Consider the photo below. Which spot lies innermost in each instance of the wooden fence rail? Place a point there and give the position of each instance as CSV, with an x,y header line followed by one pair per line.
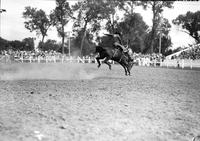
x,y
176,63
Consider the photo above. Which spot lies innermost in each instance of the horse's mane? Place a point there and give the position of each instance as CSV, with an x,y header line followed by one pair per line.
x,y
99,49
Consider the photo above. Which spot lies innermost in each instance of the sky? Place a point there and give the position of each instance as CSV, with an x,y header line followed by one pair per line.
x,y
12,22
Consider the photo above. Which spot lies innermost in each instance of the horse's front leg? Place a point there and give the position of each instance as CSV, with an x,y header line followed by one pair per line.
x,y
99,64
106,62
125,70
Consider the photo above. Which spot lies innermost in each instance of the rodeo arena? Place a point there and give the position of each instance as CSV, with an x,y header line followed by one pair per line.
x,y
63,96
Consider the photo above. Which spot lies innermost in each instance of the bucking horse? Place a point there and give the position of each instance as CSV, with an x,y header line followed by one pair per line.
x,y
115,54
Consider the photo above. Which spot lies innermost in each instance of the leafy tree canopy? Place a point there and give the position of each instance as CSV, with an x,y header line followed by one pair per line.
x,y
191,23
37,20
61,15
157,8
90,13
50,45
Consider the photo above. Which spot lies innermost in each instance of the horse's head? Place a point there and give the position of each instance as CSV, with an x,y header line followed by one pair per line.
x,y
98,50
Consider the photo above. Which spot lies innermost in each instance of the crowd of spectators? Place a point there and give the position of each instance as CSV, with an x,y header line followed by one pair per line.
x,y
27,55
193,53
148,59
31,56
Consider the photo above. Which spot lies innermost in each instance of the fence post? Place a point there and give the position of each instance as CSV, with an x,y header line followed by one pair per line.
x,y
167,63
161,63
22,58
80,59
182,64
38,59
177,63
62,58
71,59
30,59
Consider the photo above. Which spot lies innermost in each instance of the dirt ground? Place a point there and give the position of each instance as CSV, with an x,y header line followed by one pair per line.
x,y
78,102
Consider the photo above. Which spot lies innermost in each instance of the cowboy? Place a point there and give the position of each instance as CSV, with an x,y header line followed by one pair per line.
x,y
118,43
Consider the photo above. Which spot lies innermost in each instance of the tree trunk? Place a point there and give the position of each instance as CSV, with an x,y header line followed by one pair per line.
x,y
43,38
42,42
83,38
63,40
63,37
153,29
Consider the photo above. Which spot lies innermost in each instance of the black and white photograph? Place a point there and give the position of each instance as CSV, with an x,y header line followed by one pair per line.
x,y
99,70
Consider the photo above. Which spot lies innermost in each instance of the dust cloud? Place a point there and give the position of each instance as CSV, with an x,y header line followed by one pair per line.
x,y
51,71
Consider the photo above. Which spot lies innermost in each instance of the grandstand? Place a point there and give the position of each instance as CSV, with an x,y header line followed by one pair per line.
x,y
192,52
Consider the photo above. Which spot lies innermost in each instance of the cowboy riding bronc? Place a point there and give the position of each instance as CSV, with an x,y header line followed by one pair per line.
x,y
118,44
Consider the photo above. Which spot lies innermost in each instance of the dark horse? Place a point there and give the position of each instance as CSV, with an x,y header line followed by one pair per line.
x,y
115,54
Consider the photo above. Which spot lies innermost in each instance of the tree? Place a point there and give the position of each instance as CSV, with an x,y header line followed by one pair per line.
x,y
88,45
37,20
164,38
190,22
89,12
157,7
62,15
50,45
28,44
161,36
3,44
133,29
112,6
132,26
129,5
16,45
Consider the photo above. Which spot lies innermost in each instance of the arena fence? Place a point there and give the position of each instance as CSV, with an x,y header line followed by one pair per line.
x,y
182,63
49,59
146,62
174,63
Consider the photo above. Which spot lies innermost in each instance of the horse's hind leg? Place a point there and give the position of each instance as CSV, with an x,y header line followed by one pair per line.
x,y
128,70
125,69
129,67
124,66
106,62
